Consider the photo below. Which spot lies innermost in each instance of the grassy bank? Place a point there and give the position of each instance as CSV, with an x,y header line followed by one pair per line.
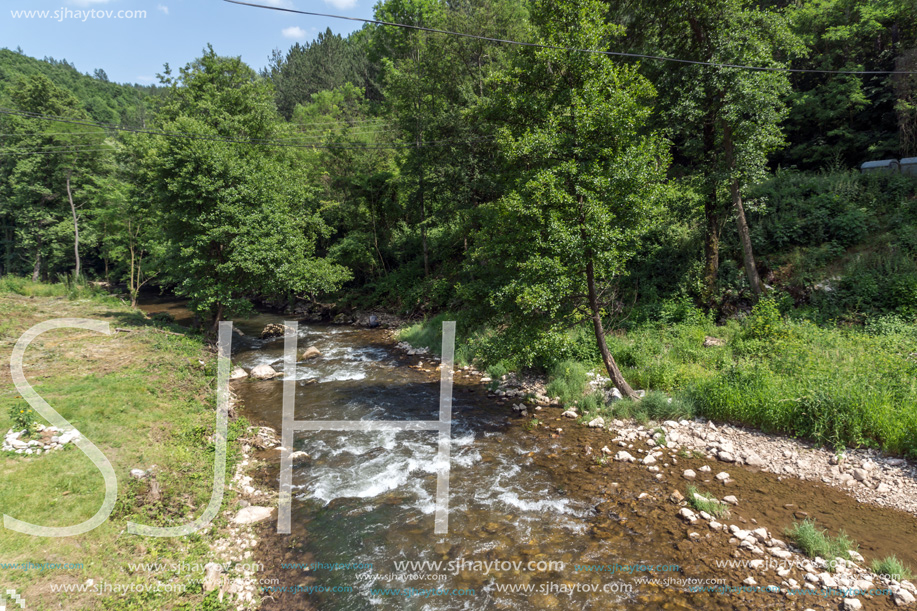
x,y
143,399
837,385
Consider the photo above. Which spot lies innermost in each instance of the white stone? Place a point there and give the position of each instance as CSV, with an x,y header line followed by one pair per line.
x,y
264,372
596,423
722,476
852,604
903,598
237,374
252,514
623,456
689,474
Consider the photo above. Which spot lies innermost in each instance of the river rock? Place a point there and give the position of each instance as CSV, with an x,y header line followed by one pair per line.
x,y
570,414
649,460
903,598
310,353
264,372
237,374
852,604
726,456
732,500
273,330
689,474
250,515
722,476
597,423
623,456
750,581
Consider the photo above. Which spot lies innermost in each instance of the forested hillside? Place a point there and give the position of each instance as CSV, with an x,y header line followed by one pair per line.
x,y
533,190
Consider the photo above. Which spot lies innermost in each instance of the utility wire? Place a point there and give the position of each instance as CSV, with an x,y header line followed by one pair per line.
x,y
266,142
559,48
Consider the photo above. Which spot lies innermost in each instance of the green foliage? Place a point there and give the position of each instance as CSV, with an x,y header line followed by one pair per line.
x,y
22,416
236,220
817,543
891,566
707,503
568,380
655,406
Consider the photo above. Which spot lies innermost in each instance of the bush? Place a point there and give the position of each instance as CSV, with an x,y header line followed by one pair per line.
x,y
891,566
22,417
814,542
568,380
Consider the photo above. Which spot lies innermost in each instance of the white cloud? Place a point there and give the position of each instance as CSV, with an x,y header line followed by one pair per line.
x,y
163,8
295,32
342,4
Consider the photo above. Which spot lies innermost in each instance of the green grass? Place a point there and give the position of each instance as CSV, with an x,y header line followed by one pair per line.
x,y
709,504
815,542
568,380
143,400
890,565
839,386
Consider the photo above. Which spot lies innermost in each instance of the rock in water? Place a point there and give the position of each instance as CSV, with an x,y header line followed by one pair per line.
x,y
373,321
237,374
272,330
310,353
264,372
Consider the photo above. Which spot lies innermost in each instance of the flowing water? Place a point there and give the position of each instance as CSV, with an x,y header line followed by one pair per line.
x,y
516,497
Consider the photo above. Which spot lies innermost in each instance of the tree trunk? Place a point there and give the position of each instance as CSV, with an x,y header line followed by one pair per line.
x,y
748,254
610,366
216,319
712,215
76,231
36,269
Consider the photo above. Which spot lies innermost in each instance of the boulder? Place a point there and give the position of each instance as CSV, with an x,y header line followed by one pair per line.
x,y
264,372
713,341
689,474
597,423
310,353
237,374
623,456
252,514
273,330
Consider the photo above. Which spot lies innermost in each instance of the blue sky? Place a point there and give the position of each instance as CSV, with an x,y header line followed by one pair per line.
x,y
175,31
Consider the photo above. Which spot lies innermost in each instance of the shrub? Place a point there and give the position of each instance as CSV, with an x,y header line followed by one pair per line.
x,y
22,417
814,542
568,380
891,566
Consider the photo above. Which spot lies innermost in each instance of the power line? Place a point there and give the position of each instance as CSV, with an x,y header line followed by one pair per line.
x,y
41,152
559,48
265,142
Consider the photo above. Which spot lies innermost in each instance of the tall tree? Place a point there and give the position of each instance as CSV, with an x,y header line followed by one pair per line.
x,y
237,221
725,121
585,174
49,166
